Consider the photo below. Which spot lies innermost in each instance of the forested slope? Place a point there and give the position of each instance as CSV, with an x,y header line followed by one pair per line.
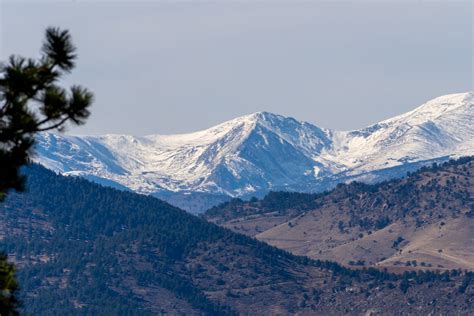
x,y
85,249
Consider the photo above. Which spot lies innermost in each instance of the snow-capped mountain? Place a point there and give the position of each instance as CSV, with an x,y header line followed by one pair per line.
x,y
247,154
264,151
440,127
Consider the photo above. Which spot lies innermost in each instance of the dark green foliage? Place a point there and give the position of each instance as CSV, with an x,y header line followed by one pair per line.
x,y
382,222
32,101
97,239
340,226
8,288
397,242
404,285
279,202
93,224
285,200
469,276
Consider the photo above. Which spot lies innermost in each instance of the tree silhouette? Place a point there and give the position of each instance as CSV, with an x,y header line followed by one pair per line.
x,y
31,101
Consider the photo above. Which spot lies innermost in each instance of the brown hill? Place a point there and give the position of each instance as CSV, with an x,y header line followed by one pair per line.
x,y
425,220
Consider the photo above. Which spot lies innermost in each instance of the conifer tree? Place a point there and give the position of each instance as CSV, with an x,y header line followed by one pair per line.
x,y
31,101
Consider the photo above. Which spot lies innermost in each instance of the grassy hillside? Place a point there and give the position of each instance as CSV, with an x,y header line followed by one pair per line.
x,y
425,220
85,249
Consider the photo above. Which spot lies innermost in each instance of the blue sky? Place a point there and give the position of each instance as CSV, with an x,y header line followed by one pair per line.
x,y
171,67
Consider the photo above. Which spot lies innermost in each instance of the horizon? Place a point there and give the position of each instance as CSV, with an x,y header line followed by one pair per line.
x,y
253,113
174,68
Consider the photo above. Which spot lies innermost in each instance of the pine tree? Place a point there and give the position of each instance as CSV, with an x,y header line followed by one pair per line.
x,y
31,101
8,287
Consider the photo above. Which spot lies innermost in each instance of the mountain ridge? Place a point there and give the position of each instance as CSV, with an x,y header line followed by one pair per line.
x,y
256,153
427,216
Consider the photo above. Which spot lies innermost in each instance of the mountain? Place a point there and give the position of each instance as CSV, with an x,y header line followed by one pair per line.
x,y
254,154
84,249
426,218
440,127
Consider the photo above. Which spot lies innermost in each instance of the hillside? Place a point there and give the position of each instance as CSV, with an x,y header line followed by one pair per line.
x,y
86,249
427,217
254,154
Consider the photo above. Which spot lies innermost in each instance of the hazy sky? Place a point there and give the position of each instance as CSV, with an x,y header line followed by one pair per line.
x,y
163,67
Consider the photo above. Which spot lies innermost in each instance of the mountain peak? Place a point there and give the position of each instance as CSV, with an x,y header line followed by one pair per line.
x,y
264,151
249,122
271,120
453,98
261,116
446,103
436,108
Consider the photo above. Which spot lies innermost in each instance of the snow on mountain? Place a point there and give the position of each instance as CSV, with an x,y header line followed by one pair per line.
x,y
263,151
247,154
441,127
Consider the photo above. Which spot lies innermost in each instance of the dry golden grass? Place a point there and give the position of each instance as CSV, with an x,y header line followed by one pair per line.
x,y
437,230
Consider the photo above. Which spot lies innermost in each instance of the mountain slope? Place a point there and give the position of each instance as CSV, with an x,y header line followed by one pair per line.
x,y
440,127
251,155
83,249
427,216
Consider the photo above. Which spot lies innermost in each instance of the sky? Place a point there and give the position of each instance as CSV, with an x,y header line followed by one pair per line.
x,y
163,67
